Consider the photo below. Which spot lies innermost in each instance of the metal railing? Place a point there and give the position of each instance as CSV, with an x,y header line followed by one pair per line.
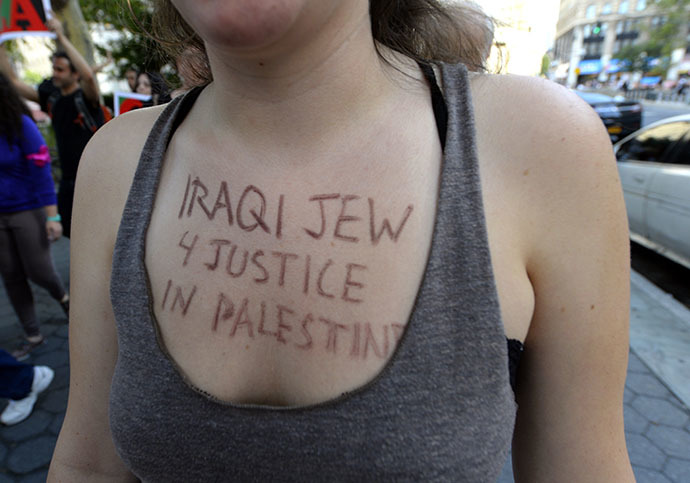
x,y
659,95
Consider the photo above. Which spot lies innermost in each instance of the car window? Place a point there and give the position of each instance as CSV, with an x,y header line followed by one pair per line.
x,y
680,152
652,144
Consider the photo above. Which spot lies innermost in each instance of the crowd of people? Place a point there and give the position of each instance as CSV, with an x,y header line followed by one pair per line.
x,y
33,214
442,286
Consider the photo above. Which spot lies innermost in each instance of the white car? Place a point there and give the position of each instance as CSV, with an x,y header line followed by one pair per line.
x,y
654,166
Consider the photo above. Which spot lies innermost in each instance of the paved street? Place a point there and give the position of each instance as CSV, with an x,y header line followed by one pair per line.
x,y
653,111
657,422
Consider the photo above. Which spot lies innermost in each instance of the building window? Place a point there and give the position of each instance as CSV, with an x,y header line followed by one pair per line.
x,y
594,31
564,46
658,21
591,11
629,26
622,43
623,7
627,32
607,8
641,5
593,50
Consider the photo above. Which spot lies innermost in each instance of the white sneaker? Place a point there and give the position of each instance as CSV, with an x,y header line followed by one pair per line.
x,y
18,411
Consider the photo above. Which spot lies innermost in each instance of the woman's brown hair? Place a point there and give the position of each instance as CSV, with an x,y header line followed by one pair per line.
x,y
11,109
428,31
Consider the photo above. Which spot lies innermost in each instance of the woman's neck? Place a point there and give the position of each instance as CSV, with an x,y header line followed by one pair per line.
x,y
305,88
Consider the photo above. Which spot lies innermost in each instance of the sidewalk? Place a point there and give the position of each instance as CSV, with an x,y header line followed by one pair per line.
x,y
682,107
657,422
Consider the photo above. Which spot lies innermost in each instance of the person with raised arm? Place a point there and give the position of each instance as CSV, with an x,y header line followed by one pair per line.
x,y
71,97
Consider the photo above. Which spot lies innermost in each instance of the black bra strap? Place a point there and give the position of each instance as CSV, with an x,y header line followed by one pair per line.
x,y
437,101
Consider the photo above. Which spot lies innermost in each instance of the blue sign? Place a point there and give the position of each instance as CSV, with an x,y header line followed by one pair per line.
x,y
616,65
651,80
588,67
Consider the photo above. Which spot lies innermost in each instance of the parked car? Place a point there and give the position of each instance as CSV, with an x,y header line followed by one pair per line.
x,y
654,166
620,116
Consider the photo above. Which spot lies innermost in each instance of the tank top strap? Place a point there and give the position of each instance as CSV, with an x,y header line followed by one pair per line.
x,y
128,269
437,102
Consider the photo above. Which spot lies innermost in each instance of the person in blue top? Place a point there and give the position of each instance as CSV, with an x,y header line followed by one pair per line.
x,y
71,97
29,219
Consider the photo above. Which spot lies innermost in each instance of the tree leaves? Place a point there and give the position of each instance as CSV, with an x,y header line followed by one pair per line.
x,y
132,18
662,39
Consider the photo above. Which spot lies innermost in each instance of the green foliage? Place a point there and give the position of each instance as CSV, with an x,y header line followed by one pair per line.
x,y
545,65
662,40
12,48
132,18
632,56
669,35
32,78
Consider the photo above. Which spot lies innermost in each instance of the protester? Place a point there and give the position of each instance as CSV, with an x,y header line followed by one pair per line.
x,y
29,218
152,84
72,99
297,273
131,75
21,384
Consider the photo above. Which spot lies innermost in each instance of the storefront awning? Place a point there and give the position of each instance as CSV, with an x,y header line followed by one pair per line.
x,y
650,80
589,67
615,65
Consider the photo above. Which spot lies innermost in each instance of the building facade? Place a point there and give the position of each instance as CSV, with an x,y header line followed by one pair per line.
x,y
524,31
591,32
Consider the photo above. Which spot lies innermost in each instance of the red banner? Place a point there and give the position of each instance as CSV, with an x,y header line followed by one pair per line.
x,y
128,101
19,18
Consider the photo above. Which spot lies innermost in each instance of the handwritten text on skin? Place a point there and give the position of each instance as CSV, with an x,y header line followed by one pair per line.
x,y
328,277
251,208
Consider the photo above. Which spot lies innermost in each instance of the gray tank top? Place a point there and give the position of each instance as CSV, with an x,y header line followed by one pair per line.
x,y
442,408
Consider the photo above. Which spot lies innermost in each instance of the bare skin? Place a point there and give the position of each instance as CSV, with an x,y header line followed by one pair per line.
x,y
555,216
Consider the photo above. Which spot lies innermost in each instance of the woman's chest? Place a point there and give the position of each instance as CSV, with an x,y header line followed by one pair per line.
x,y
287,292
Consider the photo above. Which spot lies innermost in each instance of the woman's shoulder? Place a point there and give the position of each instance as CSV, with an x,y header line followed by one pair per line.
x,y
127,131
115,149
29,126
532,105
544,154
109,162
27,120
534,124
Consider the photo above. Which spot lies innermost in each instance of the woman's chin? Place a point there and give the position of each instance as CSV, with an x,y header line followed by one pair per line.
x,y
242,24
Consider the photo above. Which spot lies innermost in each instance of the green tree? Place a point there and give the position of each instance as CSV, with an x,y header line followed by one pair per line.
x,y
638,57
662,40
669,34
132,19
545,65
70,14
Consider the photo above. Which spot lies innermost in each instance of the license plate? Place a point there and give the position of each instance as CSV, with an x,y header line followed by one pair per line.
x,y
615,129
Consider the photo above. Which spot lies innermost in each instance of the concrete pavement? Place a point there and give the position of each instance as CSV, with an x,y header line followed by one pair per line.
x,y
657,421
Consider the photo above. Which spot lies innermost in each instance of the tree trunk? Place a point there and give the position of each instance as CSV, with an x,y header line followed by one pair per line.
x,y
69,13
